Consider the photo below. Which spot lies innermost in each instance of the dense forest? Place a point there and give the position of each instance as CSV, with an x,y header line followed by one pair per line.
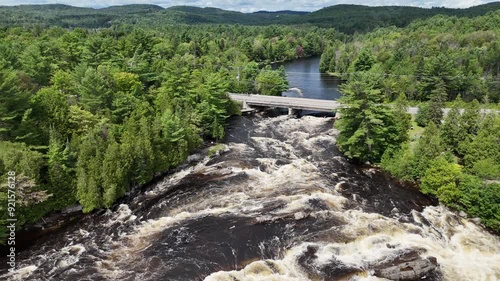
x,y
451,55
87,115
344,18
454,157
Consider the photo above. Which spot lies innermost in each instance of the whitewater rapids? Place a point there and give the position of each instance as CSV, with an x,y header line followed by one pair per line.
x,y
279,202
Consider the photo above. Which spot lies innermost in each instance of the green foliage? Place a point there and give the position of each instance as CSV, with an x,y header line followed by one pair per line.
x,y
364,61
436,105
27,166
399,163
422,118
440,180
61,173
466,187
432,60
486,169
428,147
271,82
367,127
88,166
13,103
451,130
345,18
402,118
484,145
481,200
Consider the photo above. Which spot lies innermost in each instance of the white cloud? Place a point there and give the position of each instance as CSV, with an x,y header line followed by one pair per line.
x,y
256,5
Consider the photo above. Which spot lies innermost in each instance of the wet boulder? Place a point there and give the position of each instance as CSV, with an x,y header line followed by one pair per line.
x,y
333,270
408,266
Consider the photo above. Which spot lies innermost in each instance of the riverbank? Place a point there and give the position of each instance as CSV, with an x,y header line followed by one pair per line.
x,y
279,201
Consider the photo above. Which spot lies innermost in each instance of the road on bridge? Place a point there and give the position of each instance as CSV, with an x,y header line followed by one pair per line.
x,y
307,104
287,102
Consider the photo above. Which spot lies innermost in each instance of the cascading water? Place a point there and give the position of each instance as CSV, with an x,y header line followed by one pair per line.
x,y
278,203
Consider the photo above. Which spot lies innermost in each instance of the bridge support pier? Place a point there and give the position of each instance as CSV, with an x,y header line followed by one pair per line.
x,y
292,111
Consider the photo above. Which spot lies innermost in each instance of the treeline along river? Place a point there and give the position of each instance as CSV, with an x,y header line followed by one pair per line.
x,y
278,202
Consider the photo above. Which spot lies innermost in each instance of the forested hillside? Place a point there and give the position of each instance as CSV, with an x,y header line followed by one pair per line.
x,y
357,18
344,18
443,59
450,55
86,115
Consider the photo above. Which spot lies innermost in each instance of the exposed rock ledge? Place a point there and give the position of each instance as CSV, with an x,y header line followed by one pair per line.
x,y
408,266
405,265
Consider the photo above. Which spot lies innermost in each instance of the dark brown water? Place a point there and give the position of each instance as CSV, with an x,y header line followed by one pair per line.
x,y
278,203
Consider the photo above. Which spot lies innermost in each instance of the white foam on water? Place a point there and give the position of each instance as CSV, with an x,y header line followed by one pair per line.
x,y
463,250
24,272
129,249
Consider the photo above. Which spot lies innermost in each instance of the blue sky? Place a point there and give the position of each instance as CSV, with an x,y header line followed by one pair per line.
x,y
256,5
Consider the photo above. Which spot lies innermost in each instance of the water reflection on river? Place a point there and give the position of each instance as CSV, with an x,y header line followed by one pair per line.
x,y
306,81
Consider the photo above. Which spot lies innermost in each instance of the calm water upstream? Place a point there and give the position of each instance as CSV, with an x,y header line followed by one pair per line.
x,y
278,203
306,81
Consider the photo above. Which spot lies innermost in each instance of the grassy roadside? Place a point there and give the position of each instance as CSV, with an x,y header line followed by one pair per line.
x,y
415,131
449,104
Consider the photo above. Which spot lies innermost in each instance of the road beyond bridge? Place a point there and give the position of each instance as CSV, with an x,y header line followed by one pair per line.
x,y
249,100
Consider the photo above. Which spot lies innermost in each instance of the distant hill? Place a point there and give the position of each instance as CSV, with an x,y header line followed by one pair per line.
x,y
132,9
284,12
345,18
357,18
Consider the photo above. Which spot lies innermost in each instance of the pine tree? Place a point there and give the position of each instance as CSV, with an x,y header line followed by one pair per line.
x,y
364,62
88,171
428,147
13,103
271,82
367,127
113,174
61,174
438,97
451,131
402,118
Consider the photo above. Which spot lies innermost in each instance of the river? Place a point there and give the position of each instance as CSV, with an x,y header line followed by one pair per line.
x,y
306,81
279,202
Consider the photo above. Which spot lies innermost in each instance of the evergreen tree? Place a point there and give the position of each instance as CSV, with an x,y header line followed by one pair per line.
x,y
451,130
402,118
61,173
436,105
271,82
441,179
367,127
113,174
364,62
428,147
13,103
88,171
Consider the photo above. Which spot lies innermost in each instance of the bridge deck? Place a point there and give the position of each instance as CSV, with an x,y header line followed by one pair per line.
x,y
287,102
312,104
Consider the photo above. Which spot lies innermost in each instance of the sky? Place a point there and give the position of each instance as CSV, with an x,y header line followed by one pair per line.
x,y
247,6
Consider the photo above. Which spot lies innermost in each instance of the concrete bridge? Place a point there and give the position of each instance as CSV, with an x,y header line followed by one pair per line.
x,y
292,104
